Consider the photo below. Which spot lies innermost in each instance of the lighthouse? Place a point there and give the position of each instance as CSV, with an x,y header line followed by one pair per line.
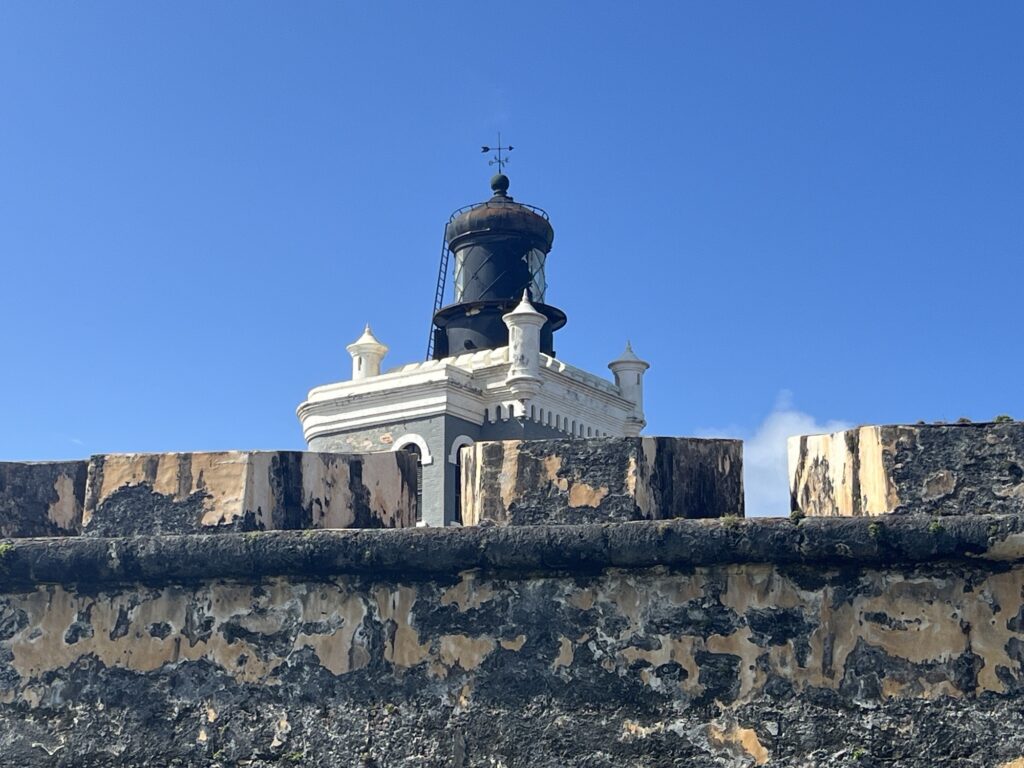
x,y
500,248
491,373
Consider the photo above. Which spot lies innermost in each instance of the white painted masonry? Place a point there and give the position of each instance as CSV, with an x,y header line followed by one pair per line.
x,y
474,387
523,379
367,354
628,370
443,405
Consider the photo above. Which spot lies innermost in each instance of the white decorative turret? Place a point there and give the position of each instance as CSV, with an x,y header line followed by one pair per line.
x,y
629,378
367,353
524,324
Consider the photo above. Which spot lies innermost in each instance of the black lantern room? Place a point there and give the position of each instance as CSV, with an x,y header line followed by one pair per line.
x,y
500,247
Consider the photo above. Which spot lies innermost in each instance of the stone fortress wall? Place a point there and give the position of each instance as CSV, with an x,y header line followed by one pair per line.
x,y
584,621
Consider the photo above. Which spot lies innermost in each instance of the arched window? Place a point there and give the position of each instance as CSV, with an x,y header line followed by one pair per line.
x,y
458,443
455,457
458,485
417,446
414,449
412,437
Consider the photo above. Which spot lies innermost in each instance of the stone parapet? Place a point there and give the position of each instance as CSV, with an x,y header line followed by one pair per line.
x,y
604,480
41,498
935,469
895,541
247,491
686,642
170,493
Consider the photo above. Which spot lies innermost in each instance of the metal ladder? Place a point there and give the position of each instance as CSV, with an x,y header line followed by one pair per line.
x,y
442,279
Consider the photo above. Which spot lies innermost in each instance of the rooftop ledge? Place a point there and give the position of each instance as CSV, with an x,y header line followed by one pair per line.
x,y
525,550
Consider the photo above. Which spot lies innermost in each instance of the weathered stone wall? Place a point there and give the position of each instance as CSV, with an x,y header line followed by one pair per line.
x,y
248,490
41,498
896,640
526,482
696,643
937,469
152,493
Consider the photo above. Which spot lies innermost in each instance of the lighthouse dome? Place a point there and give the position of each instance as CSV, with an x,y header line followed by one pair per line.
x,y
500,217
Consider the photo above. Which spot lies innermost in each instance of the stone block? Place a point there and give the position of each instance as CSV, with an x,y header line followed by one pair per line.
x,y
129,494
934,469
528,482
41,498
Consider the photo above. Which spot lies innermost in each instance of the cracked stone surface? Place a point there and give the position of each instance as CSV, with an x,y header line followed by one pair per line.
x,y
41,498
935,469
683,642
530,482
153,493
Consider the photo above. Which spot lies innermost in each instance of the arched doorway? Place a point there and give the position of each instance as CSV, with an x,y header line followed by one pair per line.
x,y
455,458
414,449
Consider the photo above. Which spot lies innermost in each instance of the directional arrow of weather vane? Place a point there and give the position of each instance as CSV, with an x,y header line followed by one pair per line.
x,y
498,160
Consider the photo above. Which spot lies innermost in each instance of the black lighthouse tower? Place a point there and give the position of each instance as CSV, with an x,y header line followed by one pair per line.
x,y
500,247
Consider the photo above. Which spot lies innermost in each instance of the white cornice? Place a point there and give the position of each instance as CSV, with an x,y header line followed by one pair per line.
x,y
416,401
466,386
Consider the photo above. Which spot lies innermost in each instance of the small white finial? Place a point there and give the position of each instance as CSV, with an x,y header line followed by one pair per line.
x,y
367,353
627,356
524,325
629,378
524,307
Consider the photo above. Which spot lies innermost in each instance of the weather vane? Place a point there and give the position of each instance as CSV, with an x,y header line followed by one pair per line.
x,y
498,160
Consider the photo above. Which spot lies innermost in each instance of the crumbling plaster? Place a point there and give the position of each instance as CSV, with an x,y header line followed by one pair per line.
x,y
645,643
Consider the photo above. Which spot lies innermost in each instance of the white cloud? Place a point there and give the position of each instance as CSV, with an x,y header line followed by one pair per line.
x,y
765,475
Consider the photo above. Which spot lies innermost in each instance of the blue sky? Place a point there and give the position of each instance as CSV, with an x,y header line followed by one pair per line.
x,y
805,211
